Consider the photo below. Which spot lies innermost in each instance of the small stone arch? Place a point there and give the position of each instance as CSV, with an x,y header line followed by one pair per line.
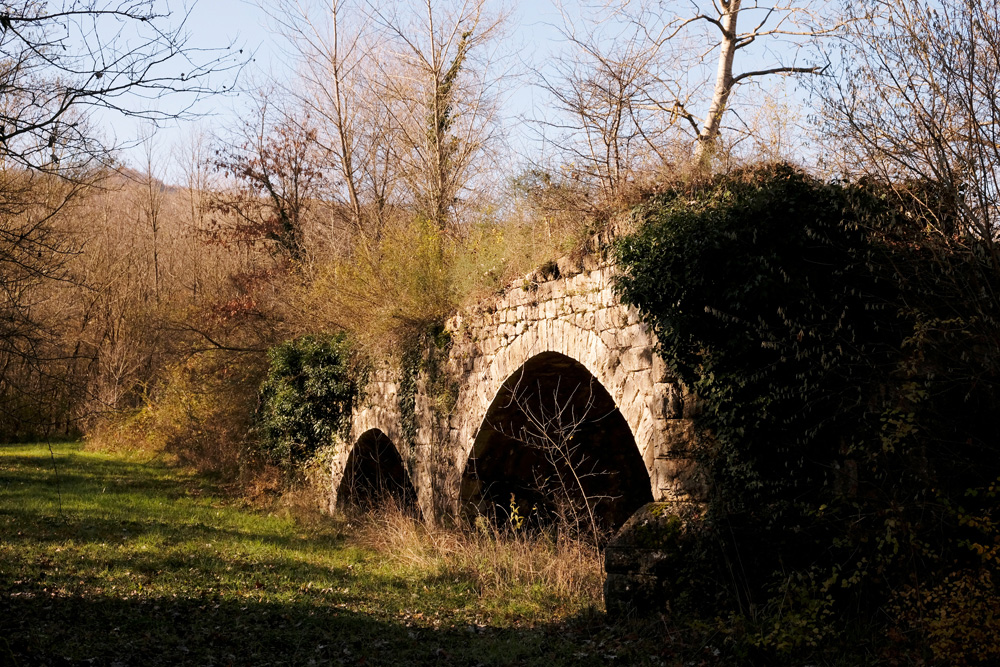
x,y
553,442
374,474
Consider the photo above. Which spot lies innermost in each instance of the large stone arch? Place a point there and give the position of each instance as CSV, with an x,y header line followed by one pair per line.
x,y
554,440
586,348
573,312
376,412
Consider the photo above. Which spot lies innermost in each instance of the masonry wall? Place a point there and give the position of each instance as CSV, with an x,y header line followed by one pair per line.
x,y
569,308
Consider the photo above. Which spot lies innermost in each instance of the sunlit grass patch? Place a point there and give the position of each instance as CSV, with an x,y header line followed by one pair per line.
x,y
110,560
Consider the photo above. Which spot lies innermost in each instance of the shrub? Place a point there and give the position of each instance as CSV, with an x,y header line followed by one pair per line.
x,y
306,398
765,298
200,414
847,364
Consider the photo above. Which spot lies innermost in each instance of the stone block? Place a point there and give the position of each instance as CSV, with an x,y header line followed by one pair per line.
x,y
679,479
603,320
629,393
609,337
639,560
637,359
660,370
568,266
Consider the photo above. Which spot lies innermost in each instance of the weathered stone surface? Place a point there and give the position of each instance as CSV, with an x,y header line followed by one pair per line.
x,y
574,312
639,560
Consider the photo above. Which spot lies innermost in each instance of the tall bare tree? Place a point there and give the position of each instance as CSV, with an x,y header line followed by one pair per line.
x,y
406,99
442,91
335,49
150,201
917,99
637,79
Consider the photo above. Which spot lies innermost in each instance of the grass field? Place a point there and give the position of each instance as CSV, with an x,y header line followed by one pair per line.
x,y
106,561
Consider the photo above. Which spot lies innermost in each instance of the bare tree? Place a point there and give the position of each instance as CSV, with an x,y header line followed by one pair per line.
x,y
273,167
915,100
442,95
150,202
767,21
567,480
608,86
405,102
34,254
637,80
194,160
334,47
63,60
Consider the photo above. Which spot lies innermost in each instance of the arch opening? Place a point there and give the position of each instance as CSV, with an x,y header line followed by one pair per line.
x,y
375,477
554,449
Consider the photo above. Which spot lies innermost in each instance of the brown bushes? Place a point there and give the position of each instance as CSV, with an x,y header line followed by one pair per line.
x,y
200,415
498,561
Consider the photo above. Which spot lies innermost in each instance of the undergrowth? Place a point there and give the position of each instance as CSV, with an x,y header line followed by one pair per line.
x,y
503,563
198,415
106,561
847,368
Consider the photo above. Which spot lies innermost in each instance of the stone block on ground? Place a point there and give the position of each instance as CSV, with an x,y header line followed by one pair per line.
x,y
639,560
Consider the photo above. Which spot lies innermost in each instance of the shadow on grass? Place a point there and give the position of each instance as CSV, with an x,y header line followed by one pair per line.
x,y
136,570
210,632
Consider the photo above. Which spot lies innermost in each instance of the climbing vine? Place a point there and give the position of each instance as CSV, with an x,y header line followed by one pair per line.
x,y
409,370
846,362
307,397
425,353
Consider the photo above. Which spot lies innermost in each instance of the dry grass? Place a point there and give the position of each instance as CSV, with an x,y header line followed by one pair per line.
x,y
499,562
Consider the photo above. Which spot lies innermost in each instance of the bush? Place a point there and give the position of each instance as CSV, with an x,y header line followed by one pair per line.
x,y
765,298
200,414
306,398
848,365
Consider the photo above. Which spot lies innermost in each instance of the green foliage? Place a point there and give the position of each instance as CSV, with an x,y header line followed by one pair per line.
x,y
307,397
107,561
425,352
764,297
410,368
847,365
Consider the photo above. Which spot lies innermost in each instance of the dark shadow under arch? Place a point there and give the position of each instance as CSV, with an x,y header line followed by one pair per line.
x,y
375,475
554,441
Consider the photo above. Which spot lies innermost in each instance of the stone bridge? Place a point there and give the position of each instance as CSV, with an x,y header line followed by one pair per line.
x,y
554,368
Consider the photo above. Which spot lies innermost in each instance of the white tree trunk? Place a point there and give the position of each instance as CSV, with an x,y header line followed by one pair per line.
x,y
709,135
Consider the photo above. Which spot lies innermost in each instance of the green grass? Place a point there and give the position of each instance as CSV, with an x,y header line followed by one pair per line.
x,y
108,561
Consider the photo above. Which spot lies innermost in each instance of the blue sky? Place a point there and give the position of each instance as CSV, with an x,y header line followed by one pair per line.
x,y
218,23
